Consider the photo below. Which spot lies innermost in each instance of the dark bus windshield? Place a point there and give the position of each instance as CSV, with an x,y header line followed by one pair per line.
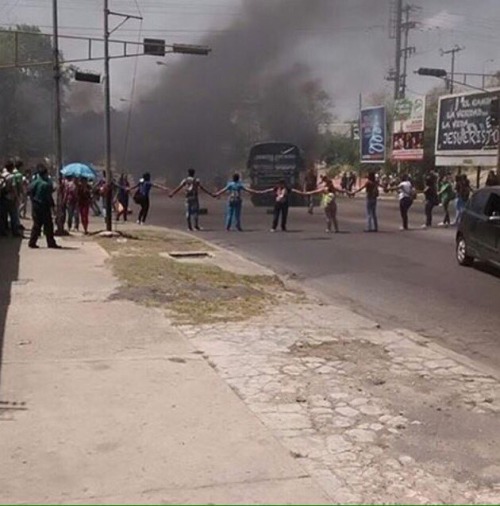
x,y
271,162
275,155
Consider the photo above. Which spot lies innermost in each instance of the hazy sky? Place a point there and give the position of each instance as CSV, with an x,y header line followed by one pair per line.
x,y
351,58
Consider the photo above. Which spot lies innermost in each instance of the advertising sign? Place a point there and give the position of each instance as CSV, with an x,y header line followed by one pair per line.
x,y
372,135
408,135
466,132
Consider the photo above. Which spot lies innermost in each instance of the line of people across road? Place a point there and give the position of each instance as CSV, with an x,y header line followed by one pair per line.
x,y
80,195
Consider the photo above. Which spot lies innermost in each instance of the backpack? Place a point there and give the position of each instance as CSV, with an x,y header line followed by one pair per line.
x,y
191,188
235,194
138,197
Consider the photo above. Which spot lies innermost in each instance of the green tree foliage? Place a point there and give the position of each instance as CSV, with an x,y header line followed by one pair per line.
x,y
26,94
339,150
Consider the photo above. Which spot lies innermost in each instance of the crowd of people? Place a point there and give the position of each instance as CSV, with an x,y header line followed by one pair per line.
x,y
78,196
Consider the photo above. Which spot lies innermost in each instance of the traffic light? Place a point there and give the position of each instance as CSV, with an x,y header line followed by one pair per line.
x,y
423,71
191,49
87,77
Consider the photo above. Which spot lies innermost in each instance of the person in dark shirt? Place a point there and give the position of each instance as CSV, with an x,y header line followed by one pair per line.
x,y
310,184
40,190
431,199
492,179
282,193
372,192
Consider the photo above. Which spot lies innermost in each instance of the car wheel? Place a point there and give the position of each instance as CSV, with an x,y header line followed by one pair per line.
x,y
462,257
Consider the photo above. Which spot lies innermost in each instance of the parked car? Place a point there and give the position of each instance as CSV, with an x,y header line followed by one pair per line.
x,y
478,234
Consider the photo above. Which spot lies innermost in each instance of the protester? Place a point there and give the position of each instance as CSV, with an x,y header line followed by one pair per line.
x,y
122,198
141,196
407,195
84,200
71,202
431,199
42,203
10,202
23,204
235,201
282,192
21,188
351,184
192,187
372,192
96,196
446,195
492,179
344,181
463,191
310,184
328,193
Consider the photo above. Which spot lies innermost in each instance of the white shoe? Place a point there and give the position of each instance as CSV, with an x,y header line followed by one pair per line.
x,y
442,224
423,227
402,229
272,230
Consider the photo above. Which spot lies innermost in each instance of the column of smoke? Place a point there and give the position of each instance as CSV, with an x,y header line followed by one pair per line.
x,y
207,111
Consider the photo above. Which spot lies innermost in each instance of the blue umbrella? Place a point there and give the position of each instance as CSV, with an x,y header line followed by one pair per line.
x,y
79,170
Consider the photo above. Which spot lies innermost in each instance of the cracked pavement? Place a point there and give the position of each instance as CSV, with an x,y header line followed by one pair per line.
x,y
373,415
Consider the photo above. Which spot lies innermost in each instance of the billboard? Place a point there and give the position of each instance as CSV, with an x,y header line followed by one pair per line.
x,y
372,135
408,133
466,131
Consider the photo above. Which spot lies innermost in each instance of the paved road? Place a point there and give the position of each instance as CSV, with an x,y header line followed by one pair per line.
x,y
401,279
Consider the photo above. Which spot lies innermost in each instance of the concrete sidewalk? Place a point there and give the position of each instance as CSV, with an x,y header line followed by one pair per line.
x,y
119,406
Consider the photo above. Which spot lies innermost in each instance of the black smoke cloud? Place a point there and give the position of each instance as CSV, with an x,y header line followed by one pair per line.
x,y
259,83
208,111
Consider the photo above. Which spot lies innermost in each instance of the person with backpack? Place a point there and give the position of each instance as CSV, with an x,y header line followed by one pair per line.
x,y
446,195
372,193
235,201
141,196
192,187
10,201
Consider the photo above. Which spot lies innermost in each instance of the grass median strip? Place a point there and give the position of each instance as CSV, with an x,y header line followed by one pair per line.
x,y
193,291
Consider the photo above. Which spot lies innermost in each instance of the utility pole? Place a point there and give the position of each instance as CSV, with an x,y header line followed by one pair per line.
x,y
107,121
407,50
453,51
400,27
57,119
397,22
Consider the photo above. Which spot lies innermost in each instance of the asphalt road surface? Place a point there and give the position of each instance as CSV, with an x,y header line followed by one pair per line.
x,y
400,279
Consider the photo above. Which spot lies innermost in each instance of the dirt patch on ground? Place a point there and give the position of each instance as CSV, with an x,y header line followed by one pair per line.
x,y
191,292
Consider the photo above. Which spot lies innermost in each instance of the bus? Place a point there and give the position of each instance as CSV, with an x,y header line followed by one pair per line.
x,y
268,162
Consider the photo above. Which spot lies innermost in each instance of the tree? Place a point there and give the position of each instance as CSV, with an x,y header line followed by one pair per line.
x,y
26,94
339,150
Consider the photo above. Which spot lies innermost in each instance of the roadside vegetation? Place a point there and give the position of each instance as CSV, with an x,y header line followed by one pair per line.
x,y
191,291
